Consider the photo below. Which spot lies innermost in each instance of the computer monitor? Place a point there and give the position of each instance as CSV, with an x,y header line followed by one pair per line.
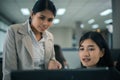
x,y
71,74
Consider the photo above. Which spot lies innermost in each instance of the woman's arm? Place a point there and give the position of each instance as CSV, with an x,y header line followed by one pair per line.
x,y
9,54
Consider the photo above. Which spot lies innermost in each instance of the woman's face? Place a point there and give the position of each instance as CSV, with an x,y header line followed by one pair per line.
x,y
41,20
89,53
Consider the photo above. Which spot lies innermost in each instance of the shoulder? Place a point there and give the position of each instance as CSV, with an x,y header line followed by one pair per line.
x,y
18,28
12,29
15,26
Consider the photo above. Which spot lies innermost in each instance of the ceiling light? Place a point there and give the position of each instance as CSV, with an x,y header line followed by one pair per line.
x,y
95,26
106,12
91,21
108,21
82,26
56,21
25,11
61,11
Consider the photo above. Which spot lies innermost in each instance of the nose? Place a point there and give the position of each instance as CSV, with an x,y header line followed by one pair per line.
x,y
45,22
86,53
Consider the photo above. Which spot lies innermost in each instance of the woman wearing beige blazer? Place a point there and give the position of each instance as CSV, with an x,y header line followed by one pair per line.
x,y
29,45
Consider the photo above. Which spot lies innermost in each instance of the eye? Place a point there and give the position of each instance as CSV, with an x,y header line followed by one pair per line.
x,y
91,49
50,19
42,18
81,49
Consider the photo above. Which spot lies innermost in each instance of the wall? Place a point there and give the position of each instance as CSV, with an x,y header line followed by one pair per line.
x,y
62,36
3,29
2,37
116,24
71,56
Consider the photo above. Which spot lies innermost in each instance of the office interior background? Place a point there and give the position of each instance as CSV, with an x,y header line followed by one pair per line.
x,y
73,19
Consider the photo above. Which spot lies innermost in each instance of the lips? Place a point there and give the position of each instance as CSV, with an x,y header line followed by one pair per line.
x,y
86,59
42,28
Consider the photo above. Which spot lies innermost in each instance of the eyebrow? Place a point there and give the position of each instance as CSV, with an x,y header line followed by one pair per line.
x,y
88,46
45,16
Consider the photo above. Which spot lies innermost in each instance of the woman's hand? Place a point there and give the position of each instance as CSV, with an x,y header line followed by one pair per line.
x,y
54,64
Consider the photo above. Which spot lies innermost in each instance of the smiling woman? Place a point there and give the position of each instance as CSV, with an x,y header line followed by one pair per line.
x,y
94,51
29,45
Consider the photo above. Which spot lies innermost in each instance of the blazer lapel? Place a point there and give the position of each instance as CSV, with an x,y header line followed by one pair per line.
x,y
26,39
27,42
46,44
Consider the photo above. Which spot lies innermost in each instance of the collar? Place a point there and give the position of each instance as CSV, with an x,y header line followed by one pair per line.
x,y
44,34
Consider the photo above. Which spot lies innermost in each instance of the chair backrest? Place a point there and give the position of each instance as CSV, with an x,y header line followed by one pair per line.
x,y
115,54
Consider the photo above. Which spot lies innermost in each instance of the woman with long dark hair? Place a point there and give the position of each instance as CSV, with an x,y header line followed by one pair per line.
x,y
30,45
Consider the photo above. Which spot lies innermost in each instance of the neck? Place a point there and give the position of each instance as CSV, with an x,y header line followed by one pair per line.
x,y
38,35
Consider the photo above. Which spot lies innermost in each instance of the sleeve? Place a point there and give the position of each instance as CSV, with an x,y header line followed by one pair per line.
x,y
53,51
9,54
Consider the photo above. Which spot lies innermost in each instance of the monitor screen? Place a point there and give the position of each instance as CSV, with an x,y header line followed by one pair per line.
x,y
66,74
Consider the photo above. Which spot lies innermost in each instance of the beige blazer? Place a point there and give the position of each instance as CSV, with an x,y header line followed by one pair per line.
x,y
17,51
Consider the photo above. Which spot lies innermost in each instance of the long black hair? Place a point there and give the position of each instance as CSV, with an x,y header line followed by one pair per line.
x,y
106,60
41,5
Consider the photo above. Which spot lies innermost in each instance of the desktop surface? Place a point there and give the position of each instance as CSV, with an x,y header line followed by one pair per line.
x,y
68,74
